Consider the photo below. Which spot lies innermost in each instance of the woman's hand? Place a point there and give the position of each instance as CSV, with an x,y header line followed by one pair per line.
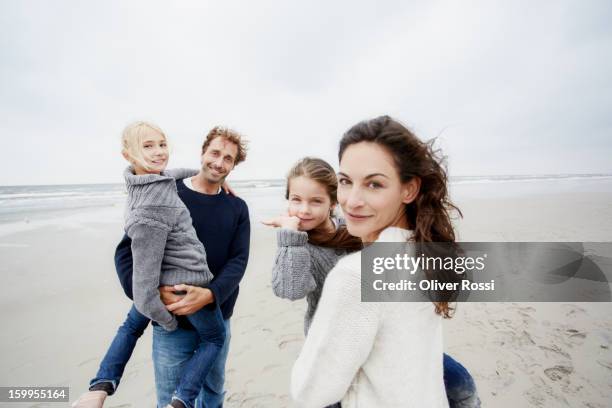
x,y
284,221
195,298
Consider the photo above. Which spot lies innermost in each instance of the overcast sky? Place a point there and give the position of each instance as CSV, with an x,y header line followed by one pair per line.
x,y
511,87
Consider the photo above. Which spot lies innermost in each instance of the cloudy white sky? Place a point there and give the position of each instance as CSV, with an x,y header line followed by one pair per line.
x,y
511,87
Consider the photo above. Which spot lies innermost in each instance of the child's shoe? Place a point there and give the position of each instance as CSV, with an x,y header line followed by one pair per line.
x,y
176,403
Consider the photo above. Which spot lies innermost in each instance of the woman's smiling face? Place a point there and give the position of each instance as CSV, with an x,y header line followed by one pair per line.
x,y
370,191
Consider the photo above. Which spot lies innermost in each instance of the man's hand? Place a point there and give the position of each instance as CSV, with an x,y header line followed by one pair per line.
x,y
195,299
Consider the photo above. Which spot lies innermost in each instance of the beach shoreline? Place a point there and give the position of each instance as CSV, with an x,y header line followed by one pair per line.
x,y
63,304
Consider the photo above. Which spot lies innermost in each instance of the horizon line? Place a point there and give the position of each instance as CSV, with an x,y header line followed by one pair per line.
x,y
276,179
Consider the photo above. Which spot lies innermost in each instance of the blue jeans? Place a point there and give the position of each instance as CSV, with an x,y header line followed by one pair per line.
x,y
172,351
120,350
210,331
210,328
460,387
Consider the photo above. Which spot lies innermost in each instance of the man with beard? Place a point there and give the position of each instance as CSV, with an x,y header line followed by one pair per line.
x,y
222,224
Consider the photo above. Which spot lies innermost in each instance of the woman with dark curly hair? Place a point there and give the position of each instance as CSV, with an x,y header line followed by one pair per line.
x,y
392,187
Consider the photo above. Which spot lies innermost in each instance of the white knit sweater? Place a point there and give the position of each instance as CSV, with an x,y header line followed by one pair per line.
x,y
369,355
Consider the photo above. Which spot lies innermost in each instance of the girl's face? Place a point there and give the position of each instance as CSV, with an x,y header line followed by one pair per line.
x,y
154,152
370,191
309,201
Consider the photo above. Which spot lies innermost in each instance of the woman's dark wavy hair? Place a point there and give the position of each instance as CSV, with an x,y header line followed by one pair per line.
x,y
321,172
429,215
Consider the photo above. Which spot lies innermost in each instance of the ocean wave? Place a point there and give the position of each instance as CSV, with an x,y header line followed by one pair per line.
x,y
524,178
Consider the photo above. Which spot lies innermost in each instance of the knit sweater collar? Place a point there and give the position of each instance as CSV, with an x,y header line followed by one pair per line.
x,y
132,179
394,234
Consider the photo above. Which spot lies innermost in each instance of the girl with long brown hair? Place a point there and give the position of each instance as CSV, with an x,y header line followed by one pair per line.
x,y
311,238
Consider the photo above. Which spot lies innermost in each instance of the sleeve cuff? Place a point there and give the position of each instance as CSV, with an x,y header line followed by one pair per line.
x,y
171,326
215,291
287,237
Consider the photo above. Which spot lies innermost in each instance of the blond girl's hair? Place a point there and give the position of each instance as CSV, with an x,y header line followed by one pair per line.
x,y
131,141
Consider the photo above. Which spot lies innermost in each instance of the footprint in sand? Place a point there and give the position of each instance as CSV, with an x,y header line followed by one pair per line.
x,y
521,339
235,397
555,349
575,336
536,395
559,372
606,364
525,311
289,340
504,373
572,310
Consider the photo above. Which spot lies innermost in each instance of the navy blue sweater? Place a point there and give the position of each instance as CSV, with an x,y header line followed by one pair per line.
x,y
222,224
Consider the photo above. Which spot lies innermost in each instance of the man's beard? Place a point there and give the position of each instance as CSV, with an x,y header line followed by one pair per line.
x,y
220,181
210,179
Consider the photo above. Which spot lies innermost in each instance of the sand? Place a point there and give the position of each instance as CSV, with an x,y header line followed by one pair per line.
x,y
62,304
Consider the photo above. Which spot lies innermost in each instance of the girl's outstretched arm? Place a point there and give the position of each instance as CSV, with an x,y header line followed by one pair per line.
x,y
292,276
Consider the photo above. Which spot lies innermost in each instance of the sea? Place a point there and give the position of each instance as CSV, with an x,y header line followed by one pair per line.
x,y
266,197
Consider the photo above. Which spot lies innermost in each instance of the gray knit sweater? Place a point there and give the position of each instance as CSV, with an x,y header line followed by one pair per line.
x,y
165,247
300,269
